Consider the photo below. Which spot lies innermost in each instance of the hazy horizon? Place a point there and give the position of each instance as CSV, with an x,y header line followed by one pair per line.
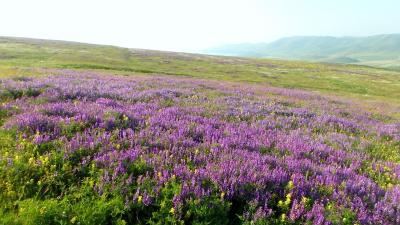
x,y
190,26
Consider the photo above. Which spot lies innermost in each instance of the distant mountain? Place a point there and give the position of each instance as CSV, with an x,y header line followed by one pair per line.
x,y
378,50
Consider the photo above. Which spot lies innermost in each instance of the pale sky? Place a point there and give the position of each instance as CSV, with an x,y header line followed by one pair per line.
x,y
188,25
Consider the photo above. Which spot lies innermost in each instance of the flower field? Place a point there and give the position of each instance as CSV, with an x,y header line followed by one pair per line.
x,y
88,148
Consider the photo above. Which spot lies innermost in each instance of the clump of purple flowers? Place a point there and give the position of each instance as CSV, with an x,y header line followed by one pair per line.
x,y
274,154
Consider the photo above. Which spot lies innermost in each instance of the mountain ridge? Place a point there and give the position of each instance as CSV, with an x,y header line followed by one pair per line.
x,y
377,50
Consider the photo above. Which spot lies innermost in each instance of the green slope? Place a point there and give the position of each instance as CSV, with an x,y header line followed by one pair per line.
x,y
20,56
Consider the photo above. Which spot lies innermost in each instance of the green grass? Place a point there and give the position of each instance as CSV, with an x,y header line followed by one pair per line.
x,y
29,56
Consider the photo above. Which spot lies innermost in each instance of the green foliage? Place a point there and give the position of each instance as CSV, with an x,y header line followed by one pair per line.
x,y
211,210
15,94
82,207
340,216
208,210
384,150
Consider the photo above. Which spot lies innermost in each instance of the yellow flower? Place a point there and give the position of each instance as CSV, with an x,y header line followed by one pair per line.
x,y
73,220
140,199
283,217
31,160
42,210
288,199
162,204
386,169
304,200
222,195
172,210
44,159
290,185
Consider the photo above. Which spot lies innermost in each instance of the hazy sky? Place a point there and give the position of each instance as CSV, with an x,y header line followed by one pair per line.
x,y
188,25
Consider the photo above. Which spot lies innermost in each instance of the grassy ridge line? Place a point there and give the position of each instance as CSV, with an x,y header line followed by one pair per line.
x,y
377,50
26,55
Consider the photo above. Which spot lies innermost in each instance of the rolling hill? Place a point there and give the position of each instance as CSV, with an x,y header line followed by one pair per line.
x,y
378,50
24,56
94,134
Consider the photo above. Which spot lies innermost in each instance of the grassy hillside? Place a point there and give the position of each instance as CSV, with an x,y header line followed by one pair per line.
x,y
95,134
30,56
379,50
